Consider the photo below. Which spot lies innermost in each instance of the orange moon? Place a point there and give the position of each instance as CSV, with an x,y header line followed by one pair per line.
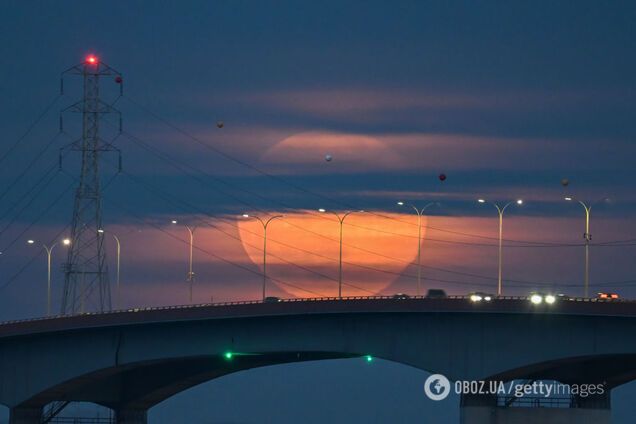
x,y
311,240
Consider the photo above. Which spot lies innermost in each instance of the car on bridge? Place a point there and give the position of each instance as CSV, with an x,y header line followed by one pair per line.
x,y
436,294
480,296
272,299
538,298
607,296
401,296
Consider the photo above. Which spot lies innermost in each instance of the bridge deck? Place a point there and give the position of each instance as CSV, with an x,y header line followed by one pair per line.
x,y
299,306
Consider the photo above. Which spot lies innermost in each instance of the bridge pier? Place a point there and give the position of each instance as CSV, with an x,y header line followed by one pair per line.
x,y
488,409
131,416
25,415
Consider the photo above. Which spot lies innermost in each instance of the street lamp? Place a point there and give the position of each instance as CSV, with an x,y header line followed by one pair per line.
x,y
588,238
190,275
117,292
419,213
49,252
500,211
264,224
341,221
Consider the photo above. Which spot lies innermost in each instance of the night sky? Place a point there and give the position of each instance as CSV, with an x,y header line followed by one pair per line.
x,y
504,98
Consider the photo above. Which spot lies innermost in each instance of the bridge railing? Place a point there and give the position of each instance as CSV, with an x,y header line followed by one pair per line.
x,y
311,299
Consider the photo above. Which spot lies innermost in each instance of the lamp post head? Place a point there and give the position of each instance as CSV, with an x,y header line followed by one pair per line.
x,y
400,203
481,200
174,221
519,202
100,231
322,210
30,241
245,215
569,199
66,242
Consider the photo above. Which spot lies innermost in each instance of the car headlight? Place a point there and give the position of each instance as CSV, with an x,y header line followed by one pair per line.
x,y
550,299
475,298
536,299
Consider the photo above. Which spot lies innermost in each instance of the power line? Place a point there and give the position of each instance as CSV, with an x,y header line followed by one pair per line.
x,y
28,192
182,167
30,128
277,279
207,252
28,204
165,196
29,167
40,216
44,212
401,274
171,199
175,164
527,243
218,151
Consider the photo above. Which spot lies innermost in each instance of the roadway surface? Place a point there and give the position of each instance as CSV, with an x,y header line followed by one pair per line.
x,y
298,306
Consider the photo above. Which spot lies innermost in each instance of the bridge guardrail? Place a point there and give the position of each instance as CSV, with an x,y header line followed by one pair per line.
x,y
305,299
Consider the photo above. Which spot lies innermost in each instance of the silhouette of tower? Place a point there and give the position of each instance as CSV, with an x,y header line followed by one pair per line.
x,y
86,286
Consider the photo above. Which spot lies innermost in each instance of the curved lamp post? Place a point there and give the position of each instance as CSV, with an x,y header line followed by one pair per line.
x,y
264,224
588,238
500,211
341,221
190,275
117,286
420,213
49,252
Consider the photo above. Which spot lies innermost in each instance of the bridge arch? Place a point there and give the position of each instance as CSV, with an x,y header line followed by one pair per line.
x,y
95,354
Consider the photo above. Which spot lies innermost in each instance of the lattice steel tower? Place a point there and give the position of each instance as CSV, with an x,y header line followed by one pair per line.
x,y
86,286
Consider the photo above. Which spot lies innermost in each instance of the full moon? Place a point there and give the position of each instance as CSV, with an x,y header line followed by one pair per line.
x,y
311,241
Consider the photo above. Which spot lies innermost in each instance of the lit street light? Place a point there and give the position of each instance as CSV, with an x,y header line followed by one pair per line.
x,y
341,221
588,238
500,211
419,212
117,288
49,252
264,224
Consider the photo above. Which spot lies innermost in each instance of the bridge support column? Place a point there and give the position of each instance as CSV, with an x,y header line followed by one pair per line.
x,y
131,416
25,415
482,409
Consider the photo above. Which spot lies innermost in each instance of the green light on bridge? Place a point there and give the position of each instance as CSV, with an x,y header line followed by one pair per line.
x,y
368,358
228,355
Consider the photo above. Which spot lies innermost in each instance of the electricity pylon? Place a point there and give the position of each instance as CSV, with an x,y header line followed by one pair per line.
x,y
86,286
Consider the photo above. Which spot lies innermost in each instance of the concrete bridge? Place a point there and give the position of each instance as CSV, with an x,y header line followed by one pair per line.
x,y
132,360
